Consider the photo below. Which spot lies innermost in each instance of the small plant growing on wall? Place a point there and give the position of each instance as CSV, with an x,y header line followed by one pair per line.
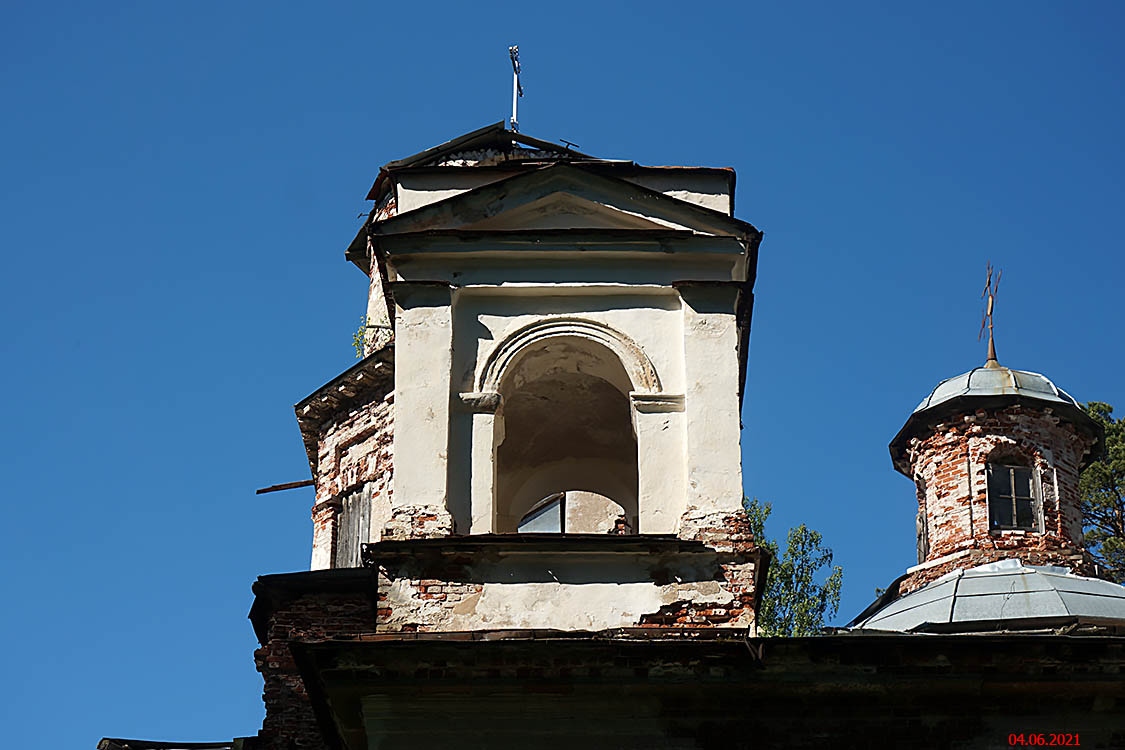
x,y
359,338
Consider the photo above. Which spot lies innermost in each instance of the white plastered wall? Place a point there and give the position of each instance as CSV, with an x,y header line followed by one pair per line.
x,y
688,418
707,189
423,343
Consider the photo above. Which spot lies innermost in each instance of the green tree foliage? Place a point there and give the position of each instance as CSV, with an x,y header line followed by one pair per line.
x,y
1102,488
794,603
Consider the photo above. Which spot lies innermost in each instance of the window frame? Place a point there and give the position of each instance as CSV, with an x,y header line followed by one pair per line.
x,y
1009,465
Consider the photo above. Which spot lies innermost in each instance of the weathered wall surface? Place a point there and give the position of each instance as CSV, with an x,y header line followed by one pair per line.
x,y
425,591
949,467
290,722
357,449
561,594
829,692
710,190
710,577
355,455
650,689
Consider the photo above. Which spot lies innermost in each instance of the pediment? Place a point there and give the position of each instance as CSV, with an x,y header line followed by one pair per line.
x,y
563,196
564,210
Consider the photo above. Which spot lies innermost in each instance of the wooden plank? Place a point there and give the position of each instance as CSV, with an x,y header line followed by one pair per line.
x,y
285,486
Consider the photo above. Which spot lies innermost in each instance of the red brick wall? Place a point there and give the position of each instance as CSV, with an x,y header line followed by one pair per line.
x,y
290,722
356,448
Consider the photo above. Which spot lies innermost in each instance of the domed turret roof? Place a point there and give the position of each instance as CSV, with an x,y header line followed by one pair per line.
x,y
994,379
992,386
1004,595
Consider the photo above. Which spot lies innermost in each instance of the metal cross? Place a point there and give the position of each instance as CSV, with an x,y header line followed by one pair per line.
x,y
517,87
989,294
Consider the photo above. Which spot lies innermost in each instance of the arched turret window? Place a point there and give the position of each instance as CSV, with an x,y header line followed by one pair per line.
x,y
1013,503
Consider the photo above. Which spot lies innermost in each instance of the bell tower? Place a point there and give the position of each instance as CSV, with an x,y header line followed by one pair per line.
x,y
554,360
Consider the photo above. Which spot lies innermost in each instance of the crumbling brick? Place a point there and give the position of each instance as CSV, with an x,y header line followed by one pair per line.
x,y
949,468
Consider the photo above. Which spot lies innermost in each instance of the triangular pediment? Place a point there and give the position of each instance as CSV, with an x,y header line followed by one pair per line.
x,y
563,196
564,210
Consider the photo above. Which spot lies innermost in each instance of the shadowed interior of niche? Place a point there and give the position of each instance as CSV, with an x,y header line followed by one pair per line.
x,y
567,430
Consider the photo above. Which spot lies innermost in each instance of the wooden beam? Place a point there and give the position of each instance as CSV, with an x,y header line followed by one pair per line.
x,y
285,486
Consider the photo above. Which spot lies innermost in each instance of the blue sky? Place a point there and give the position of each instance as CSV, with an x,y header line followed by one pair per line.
x,y
181,180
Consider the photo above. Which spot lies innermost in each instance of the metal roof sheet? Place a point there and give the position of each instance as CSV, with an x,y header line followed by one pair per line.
x,y
996,380
1003,595
989,387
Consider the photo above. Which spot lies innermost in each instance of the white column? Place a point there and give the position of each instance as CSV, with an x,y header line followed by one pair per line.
x,y
713,427
658,419
423,356
488,425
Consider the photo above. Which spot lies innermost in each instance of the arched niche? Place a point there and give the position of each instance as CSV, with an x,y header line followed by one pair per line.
x,y
639,374
567,425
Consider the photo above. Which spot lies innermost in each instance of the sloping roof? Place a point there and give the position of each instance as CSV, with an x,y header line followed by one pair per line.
x,y
491,137
375,372
1004,595
481,203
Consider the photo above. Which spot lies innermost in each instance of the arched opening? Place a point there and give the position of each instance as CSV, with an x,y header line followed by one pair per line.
x,y
1012,487
575,512
568,455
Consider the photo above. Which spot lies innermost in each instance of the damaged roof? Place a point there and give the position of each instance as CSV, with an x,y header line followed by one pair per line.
x,y
496,138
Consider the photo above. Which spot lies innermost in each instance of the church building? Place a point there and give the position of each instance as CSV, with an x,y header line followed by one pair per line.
x,y
528,527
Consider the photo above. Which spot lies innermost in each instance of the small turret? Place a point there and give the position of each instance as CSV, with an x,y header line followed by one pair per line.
x,y
995,454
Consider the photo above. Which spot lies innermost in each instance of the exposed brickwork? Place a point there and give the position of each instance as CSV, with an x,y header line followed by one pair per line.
x,y
355,448
730,534
872,691
418,522
413,605
290,722
1077,560
738,612
325,518
722,531
949,468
